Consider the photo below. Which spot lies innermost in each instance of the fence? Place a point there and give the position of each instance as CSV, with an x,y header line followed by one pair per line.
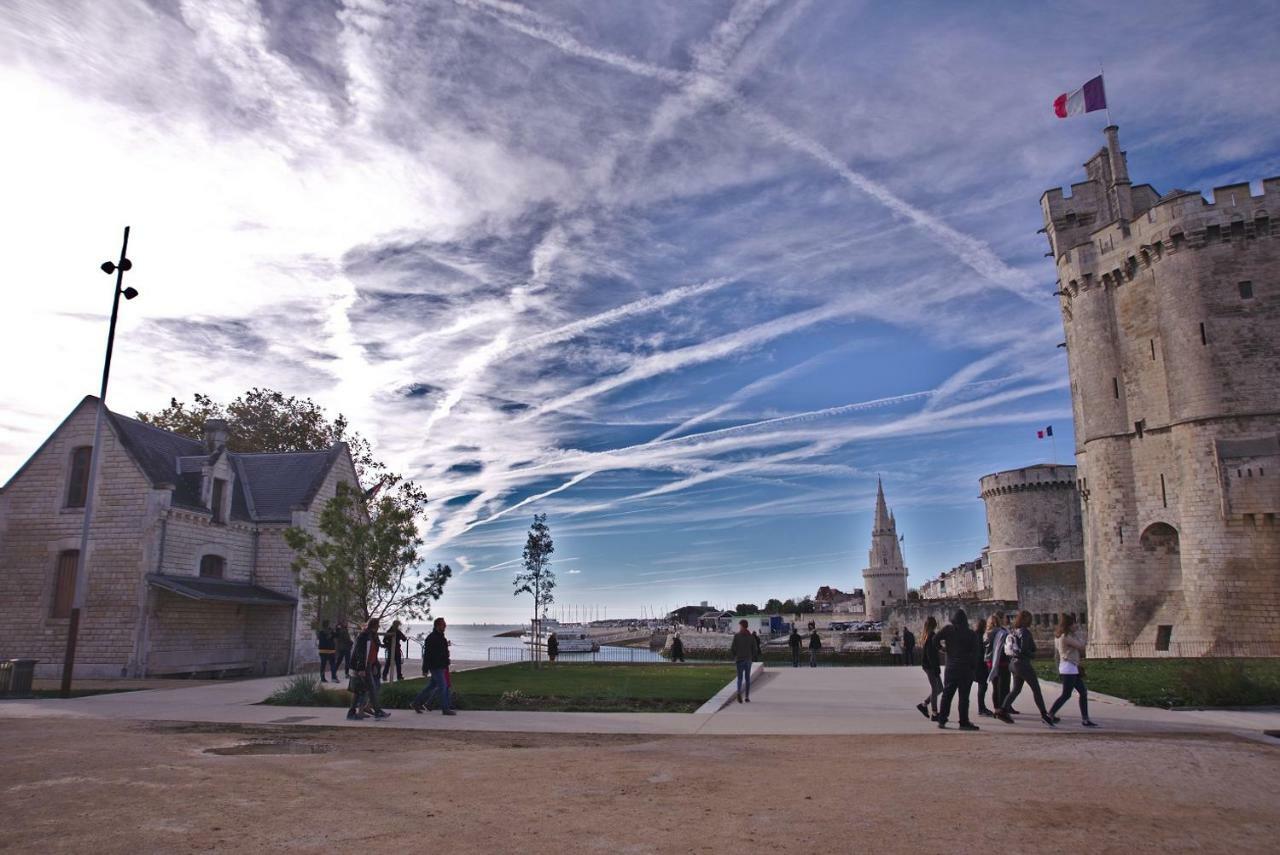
x,y
604,654
1179,649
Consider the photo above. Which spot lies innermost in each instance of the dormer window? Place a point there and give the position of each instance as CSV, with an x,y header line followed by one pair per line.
x,y
78,482
216,504
212,566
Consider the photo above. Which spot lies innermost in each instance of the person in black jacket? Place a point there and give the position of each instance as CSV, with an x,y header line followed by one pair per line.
x,y
435,660
364,662
795,641
964,652
677,649
325,644
1024,650
342,649
553,647
908,646
395,653
815,644
931,662
980,669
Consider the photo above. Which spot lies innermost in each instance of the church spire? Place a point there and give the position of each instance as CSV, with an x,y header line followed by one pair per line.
x,y
883,521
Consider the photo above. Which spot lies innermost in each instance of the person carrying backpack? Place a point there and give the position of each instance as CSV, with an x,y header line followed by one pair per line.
x,y
815,644
325,645
366,681
795,641
997,662
1021,649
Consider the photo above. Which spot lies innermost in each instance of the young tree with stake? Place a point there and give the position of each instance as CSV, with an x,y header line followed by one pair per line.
x,y
537,578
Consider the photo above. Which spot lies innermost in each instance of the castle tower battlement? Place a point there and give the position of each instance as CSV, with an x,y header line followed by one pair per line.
x,y
885,578
1171,307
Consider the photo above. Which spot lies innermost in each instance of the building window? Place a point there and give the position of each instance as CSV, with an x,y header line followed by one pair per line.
x,y
64,583
1139,426
1164,497
1212,233
1204,339
219,492
78,484
1164,633
1246,290
1115,384
1153,350
212,566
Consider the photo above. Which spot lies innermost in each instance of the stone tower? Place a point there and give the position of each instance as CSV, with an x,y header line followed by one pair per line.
x,y
1171,306
1033,517
885,579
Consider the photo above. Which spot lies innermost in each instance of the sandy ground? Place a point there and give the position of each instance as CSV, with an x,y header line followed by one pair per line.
x,y
75,785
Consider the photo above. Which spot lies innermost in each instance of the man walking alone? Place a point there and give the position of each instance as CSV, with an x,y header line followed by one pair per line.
x,y
742,649
435,660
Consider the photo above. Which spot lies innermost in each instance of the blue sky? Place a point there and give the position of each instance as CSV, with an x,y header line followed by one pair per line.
x,y
685,276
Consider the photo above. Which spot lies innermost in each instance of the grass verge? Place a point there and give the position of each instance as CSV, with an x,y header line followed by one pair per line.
x,y
580,687
1181,682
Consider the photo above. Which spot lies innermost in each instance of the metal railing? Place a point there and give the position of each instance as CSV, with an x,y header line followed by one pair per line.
x,y
1180,649
604,654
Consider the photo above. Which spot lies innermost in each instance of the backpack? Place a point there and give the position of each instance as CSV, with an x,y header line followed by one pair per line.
x,y
1012,644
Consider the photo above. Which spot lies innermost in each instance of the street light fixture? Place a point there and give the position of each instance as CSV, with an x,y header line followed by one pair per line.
x,y
82,581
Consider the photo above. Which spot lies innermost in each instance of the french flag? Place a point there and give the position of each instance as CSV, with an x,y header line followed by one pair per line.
x,y
1041,434
1089,97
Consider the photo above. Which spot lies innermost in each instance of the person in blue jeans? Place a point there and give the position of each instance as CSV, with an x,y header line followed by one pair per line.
x,y
742,649
1070,649
435,660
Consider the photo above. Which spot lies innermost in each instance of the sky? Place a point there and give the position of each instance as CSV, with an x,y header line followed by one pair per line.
x,y
685,276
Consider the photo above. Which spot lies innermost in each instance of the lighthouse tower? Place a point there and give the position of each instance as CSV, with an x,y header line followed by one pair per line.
x,y
884,581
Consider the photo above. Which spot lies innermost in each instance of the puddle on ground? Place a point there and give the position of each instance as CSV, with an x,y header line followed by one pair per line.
x,y
276,747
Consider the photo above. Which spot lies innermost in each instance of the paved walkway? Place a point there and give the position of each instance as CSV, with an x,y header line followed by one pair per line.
x,y
785,702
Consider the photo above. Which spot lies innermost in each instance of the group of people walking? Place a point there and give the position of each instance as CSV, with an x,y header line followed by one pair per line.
x,y
365,670
796,641
994,655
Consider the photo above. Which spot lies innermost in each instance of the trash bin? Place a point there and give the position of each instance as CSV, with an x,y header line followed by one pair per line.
x,y
15,677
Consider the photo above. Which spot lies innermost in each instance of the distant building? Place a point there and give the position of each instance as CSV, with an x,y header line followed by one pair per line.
x,y
885,577
830,599
688,615
968,580
188,571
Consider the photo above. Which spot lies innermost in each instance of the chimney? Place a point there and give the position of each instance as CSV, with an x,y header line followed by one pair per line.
x,y
215,435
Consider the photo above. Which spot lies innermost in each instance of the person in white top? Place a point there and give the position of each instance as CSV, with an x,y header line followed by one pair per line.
x,y
1070,649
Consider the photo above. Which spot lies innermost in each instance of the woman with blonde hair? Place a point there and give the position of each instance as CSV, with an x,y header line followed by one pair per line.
x,y
931,662
1021,648
1070,649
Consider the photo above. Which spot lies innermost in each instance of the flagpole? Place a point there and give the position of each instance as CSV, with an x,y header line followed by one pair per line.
x,y
1102,74
1053,444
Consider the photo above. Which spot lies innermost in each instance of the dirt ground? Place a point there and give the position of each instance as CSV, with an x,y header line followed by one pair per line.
x,y
76,785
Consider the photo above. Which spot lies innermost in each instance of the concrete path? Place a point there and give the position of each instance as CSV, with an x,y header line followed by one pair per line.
x,y
784,702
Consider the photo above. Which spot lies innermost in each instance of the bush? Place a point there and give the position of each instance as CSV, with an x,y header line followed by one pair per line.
x,y
1223,683
304,690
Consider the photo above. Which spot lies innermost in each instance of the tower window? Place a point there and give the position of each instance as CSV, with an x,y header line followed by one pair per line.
x,y
1237,229
1212,233
78,482
1204,339
1246,290
1164,497
1164,634
212,566
1115,386
219,493
64,583
1153,350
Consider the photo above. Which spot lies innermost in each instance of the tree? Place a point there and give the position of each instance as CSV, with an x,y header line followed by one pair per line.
x,y
806,606
266,420
774,607
913,596
746,609
789,607
537,578
361,564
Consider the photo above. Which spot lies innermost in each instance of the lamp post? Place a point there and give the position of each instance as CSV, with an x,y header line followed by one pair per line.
x,y
95,458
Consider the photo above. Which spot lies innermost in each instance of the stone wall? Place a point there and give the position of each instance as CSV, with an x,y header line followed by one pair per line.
x,y
913,615
35,526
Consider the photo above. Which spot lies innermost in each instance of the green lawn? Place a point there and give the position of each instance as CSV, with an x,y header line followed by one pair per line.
x,y
578,687
1181,682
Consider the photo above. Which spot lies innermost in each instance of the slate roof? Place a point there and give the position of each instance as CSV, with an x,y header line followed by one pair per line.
x,y
220,590
267,487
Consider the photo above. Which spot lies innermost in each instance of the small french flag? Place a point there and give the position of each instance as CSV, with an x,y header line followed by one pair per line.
x,y
1048,431
1089,97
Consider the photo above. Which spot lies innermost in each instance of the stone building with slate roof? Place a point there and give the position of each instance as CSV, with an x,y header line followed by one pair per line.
x,y
188,571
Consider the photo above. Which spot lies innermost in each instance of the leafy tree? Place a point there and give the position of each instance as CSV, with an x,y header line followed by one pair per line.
x,y
774,607
789,607
746,609
537,578
266,420
913,596
806,606
360,565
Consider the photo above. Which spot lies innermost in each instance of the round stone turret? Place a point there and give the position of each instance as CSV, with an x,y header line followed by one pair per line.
x,y
1033,517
